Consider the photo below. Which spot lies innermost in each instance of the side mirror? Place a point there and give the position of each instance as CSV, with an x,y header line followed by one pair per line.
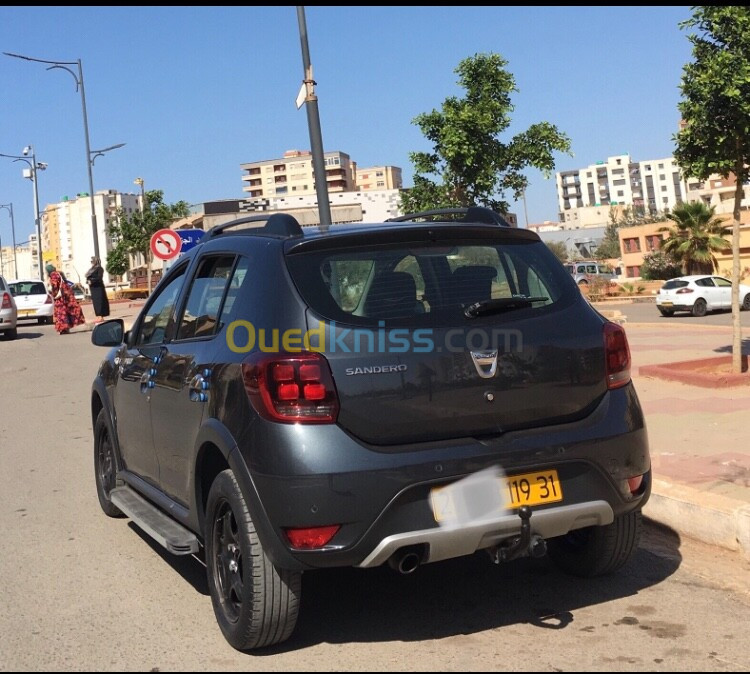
x,y
109,333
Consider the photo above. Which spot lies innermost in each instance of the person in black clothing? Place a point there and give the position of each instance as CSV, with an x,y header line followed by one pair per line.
x,y
95,279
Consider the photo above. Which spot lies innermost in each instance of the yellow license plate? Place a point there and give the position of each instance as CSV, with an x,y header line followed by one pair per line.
x,y
26,312
666,304
528,489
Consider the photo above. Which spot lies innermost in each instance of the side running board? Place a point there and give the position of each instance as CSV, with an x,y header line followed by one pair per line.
x,y
162,528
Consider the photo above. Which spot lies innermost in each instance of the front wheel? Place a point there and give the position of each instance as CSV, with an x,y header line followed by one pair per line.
x,y
595,551
105,465
746,303
255,603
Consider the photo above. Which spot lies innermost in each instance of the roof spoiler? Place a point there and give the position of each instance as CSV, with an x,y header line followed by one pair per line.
x,y
472,214
279,224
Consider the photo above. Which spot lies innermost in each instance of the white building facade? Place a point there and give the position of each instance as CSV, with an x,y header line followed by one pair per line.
x,y
586,195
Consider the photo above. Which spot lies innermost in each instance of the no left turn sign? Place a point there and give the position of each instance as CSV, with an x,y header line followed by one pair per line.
x,y
166,244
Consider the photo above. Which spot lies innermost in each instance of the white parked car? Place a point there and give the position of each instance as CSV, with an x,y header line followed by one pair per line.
x,y
8,312
699,294
32,300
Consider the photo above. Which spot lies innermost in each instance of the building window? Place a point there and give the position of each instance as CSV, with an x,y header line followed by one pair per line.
x,y
620,193
661,166
333,161
632,245
381,183
378,174
633,272
282,190
647,167
653,242
663,188
619,182
662,176
365,176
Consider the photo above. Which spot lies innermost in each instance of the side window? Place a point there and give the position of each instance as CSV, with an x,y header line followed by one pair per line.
x,y
200,317
581,268
722,282
156,320
705,283
235,285
591,269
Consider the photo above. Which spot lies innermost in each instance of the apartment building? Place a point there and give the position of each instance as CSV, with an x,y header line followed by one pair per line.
x,y
67,235
293,175
378,178
587,194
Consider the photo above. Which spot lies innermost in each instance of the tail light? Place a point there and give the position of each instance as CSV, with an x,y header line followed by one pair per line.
x,y
291,388
684,291
617,355
6,301
49,299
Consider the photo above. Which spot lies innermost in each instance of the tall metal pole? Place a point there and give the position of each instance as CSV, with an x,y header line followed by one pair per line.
x,y
9,208
313,123
525,212
36,214
89,162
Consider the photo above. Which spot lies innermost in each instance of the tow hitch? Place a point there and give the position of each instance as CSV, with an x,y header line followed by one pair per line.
x,y
522,545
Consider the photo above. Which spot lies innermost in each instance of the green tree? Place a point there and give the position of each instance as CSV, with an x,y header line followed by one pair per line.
x,y
559,249
610,246
118,261
698,234
658,266
133,231
469,165
715,108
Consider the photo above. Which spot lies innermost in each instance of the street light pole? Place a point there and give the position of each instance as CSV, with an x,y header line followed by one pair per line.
x,y
139,181
63,65
9,208
313,123
33,168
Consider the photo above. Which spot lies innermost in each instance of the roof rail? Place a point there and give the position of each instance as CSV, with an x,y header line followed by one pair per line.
x,y
475,214
277,224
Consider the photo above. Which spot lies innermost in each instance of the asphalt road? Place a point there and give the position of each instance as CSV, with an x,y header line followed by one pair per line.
x,y
81,591
646,312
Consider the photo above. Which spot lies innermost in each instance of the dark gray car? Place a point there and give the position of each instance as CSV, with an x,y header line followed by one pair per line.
x,y
404,393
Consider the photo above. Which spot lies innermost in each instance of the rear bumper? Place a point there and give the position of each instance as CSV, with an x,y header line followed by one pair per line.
x,y
446,543
319,475
46,311
8,320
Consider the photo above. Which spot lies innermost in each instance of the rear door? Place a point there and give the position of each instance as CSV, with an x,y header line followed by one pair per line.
x,y
183,377
412,362
723,291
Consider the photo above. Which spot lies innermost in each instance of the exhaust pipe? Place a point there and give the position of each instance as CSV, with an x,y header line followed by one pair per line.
x,y
405,560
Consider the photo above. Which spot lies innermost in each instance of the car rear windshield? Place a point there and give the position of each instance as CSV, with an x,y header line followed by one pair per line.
x,y
429,284
21,288
670,285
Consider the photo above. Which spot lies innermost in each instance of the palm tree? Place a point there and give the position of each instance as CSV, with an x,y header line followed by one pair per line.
x,y
698,234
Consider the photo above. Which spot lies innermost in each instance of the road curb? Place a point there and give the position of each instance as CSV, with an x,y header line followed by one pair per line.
x,y
709,518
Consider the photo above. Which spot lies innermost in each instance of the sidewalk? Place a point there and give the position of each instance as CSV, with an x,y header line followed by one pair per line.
x,y
699,437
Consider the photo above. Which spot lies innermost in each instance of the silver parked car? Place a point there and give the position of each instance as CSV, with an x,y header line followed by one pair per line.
x,y
8,312
586,271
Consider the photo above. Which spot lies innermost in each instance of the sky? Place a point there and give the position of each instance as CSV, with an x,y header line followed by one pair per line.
x,y
194,92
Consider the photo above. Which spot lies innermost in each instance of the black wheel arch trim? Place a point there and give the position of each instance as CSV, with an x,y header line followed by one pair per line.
x,y
217,434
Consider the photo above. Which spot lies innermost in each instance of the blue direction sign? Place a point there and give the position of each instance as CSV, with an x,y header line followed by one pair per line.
x,y
190,238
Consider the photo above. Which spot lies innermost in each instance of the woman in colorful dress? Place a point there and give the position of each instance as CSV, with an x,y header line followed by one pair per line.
x,y
68,312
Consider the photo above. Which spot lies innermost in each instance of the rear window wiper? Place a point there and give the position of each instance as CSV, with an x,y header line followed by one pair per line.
x,y
500,305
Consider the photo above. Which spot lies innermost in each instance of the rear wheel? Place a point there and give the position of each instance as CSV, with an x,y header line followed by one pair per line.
x,y
105,465
11,334
595,551
255,603
699,308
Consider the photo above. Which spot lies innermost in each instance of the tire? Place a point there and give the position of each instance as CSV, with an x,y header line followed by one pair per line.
x,y
255,603
583,282
105,465
746,303
666,312
596,551
11,334
699,308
